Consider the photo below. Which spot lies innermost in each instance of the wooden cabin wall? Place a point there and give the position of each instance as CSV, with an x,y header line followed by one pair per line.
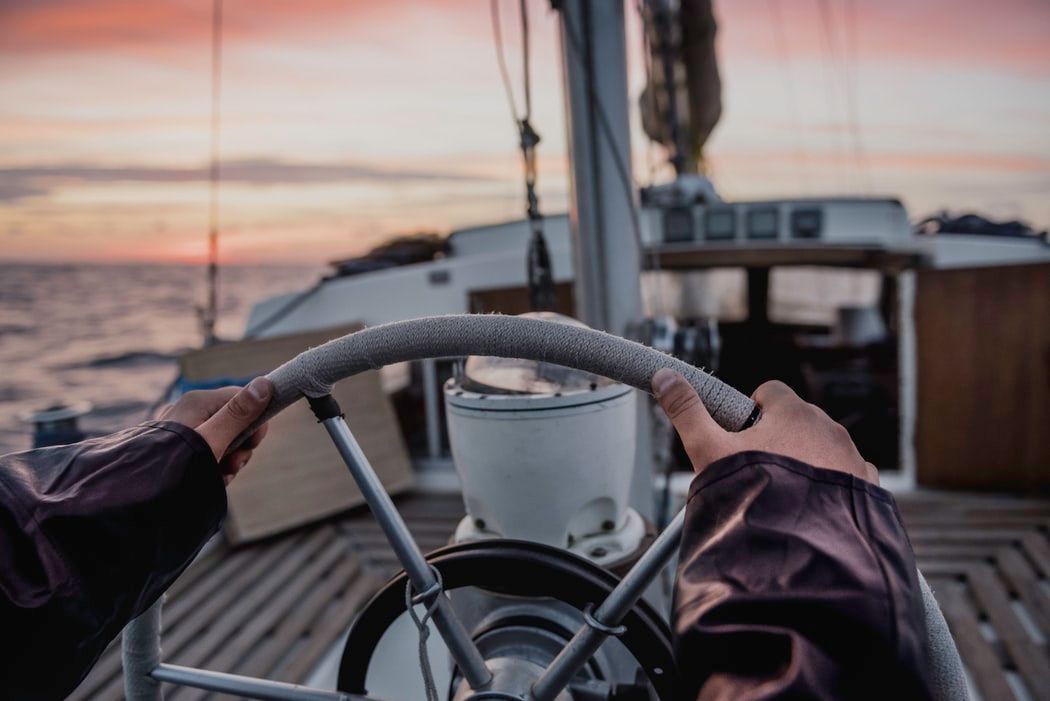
x,y
983,414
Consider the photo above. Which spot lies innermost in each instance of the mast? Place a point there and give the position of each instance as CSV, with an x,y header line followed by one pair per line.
x,y
210,312
607,256
606,252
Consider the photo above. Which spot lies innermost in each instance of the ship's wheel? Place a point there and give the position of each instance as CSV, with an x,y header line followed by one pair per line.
x,y
608,607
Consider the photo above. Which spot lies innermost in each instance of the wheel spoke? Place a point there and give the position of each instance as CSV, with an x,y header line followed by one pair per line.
x,y
605,619
459,642
247,687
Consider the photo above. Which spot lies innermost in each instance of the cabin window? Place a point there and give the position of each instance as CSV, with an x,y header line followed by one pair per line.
x,y
805,223
720,224
762,223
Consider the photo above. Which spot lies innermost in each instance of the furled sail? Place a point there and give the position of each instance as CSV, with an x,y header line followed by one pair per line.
x,y
681,48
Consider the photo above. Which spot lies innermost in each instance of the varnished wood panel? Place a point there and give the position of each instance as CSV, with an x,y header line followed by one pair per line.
x,y
983,418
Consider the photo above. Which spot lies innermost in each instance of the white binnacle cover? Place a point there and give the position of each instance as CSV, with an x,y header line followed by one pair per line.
x,y
552,469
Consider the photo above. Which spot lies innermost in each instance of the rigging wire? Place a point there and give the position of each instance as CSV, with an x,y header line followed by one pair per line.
x,y
525,61
209,314
834,101
784,55
539,270
851,69
846,60
501,59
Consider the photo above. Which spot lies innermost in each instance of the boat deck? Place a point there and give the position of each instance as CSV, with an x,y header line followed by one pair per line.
x,y
987,560
274,609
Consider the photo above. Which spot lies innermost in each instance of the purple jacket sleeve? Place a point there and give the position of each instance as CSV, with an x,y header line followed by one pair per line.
x,y
91,534
795,582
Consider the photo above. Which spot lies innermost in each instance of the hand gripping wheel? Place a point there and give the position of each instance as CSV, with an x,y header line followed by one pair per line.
x,y
565,577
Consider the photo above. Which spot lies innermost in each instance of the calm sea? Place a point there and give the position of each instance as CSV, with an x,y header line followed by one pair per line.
x,y
110,334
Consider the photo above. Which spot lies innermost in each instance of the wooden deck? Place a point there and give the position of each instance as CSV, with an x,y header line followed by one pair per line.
x,y
987,560
275,608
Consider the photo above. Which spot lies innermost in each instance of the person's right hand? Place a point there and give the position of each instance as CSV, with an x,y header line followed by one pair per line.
x,y
787,426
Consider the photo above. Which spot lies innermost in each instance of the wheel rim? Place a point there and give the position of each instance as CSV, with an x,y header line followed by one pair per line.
x,y
515,568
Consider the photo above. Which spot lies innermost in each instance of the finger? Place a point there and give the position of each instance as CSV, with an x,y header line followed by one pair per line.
x,y
193,408
236,415
701,436
164,411
773,393
210,401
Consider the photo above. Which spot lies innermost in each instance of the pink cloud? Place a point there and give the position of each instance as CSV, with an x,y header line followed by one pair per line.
x,y
912,160
150,27
1008,34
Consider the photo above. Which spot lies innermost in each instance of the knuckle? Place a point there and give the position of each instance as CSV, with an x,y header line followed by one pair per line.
x,y
239,408
770,391
833,428
680,400
192,397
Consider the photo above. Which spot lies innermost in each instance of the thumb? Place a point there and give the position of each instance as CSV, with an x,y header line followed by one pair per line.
x,y
702,438
236,415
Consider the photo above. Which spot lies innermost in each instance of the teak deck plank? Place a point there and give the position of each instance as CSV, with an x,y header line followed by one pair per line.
x,y
332,625
977,654
1023,581
269,616
1030,660
264,660
984,556
242,609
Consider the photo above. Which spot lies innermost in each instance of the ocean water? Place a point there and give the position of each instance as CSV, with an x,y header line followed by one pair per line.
x,y
110,334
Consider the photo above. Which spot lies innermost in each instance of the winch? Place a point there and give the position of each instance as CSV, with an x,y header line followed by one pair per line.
x,y
545,454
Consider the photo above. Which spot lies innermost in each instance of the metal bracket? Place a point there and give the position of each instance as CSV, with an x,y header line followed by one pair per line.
x,y
589,619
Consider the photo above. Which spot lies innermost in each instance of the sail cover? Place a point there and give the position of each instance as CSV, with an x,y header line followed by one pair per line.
x,y
686,37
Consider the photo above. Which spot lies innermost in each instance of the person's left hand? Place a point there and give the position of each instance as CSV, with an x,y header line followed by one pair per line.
x,y
220,415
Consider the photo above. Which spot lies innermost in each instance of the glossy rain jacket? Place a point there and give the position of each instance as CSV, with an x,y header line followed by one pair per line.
x,y
793,582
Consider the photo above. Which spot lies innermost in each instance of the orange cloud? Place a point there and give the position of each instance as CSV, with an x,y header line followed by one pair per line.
x,y
20,182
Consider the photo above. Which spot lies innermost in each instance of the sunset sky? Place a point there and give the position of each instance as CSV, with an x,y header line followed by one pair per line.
x,y
345,121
